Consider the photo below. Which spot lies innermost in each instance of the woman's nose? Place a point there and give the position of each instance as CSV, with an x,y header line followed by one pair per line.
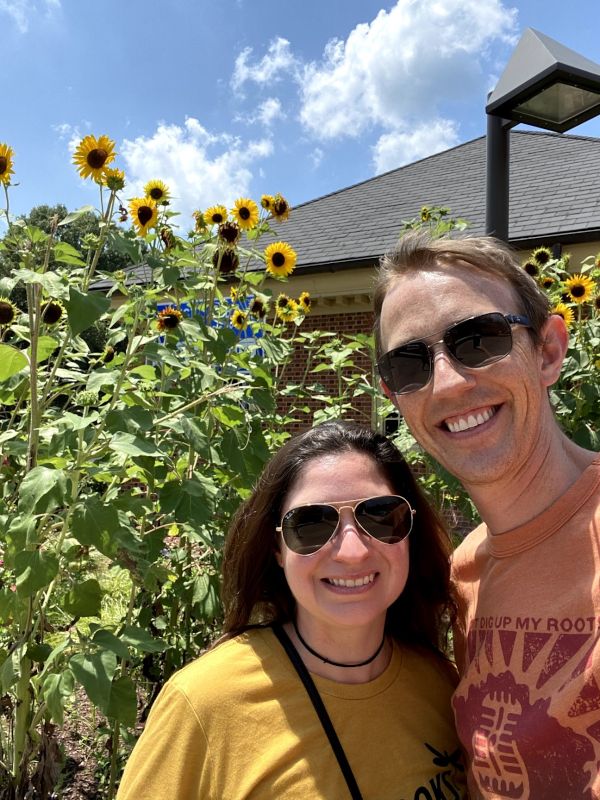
x,y
351,543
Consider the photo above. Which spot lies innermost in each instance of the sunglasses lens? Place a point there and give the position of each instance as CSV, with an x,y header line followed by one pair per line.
x,y
479,341
307,528
387,519
406,368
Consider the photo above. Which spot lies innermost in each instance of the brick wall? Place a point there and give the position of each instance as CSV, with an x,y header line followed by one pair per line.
x,y
339,323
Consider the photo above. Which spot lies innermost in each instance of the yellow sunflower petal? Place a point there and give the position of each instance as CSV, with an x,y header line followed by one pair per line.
x,y
280,259
6,163
565,312
580,288
144,214
245,212
158,191
215,215
92,155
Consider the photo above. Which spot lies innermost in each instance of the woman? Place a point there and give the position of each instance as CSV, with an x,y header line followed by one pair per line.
x,y
336,561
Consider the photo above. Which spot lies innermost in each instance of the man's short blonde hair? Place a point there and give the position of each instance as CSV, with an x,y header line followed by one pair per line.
x,y
417,251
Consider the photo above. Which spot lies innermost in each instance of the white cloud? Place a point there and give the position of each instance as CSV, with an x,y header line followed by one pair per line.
x,y
21,10
275,65
400,147
270,110
316,157
402,66
201,168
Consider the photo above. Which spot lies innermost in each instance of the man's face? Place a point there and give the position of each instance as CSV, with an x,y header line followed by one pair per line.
x,y
499,414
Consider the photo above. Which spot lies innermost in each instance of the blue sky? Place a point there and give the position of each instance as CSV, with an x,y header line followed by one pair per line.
x,y
239,98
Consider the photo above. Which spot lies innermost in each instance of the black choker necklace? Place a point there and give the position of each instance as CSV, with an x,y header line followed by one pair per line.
x,y
337,663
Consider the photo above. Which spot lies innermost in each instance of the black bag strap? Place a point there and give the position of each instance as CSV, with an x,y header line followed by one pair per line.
x,y
326,722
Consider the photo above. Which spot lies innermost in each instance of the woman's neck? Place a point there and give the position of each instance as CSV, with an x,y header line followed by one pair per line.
x,y
348,648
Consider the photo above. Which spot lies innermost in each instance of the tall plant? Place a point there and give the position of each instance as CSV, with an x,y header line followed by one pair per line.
x,y
126,462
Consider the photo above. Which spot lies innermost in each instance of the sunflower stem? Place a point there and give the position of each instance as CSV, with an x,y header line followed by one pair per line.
x,y
103,234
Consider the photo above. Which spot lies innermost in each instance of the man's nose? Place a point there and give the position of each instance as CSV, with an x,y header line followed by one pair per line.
x,y
449,376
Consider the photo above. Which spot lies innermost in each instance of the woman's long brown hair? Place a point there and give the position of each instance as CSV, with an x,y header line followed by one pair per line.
x,y
255,590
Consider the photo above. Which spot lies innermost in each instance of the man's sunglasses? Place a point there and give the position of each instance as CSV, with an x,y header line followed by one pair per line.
x,y
474,342
305,529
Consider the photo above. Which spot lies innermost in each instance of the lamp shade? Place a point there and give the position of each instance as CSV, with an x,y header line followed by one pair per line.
x,y
547,85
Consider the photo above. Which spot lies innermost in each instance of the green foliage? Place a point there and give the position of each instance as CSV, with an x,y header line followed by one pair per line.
x,y
122,461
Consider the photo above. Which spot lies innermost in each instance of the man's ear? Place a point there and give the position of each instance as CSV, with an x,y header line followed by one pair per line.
x,y
388,392
555,341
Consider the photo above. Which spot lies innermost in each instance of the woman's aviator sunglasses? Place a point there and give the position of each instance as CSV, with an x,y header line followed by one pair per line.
x,y
474,342
305,529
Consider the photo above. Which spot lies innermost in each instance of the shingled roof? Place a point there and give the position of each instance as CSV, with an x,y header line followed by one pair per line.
x,y
554,191
554,198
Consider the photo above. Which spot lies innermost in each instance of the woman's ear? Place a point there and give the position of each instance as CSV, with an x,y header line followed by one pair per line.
x,y
555,341
278,557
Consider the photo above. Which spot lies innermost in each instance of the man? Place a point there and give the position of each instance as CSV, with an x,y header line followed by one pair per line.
x,y
467,352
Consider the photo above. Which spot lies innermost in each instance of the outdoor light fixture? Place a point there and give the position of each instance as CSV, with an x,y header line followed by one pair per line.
x,y
546,85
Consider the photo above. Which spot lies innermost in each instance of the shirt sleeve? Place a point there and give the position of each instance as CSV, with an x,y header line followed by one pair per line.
x,y
171,758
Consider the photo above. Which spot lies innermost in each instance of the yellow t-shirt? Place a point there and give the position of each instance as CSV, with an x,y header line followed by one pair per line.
x,y
237,723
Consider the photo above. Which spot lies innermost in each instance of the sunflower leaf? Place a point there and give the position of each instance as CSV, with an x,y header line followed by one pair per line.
x,y
76,214
84,309
11,361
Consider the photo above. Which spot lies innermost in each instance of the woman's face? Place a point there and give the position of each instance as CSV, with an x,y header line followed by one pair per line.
x,y
320,582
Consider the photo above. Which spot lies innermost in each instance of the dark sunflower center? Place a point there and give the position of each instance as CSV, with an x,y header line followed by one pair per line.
x,y
229,232
229,262
171,321
3,164
156,193
144,214
244,212
280,207
531,269
7,313
278,259
96,158
578,291
51,313
282,302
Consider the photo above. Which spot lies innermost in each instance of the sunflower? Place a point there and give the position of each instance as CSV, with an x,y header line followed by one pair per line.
x,y
158,191
8,312
580,288
547,282
267,201
245,211
425,214
596,302
226,261
286,308
531,268
199,221
565,312
280,208
51,312
239,319
167,237
280,258
143,213
542,256
215,215
304,303
92,155
230,233
6,163
114,179
259,307
108,355
233,292
169,318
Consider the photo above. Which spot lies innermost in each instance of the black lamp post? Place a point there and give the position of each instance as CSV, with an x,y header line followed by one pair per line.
x,y
544,84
